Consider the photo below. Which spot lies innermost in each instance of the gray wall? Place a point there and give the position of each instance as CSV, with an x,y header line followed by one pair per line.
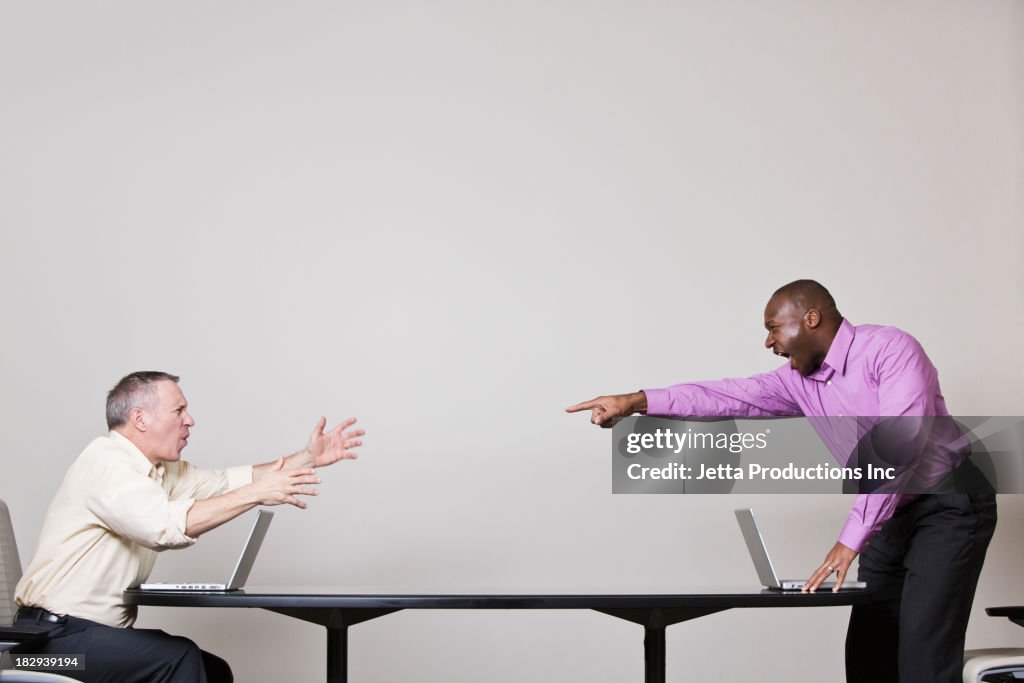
x,y
453,219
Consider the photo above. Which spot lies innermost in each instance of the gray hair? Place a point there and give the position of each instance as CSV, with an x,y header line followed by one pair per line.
x,y
136,390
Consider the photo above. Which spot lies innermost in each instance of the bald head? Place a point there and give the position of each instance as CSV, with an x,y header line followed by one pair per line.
x,y
808,294
802,320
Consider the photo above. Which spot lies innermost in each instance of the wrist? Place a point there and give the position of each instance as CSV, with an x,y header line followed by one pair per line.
x,y
248,495
638,402
299,460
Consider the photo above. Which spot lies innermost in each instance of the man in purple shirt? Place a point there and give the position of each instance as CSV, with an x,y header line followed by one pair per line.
x,y
920,554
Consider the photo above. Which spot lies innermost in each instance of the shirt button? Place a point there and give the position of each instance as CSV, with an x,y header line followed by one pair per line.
x,y
840,414
829,382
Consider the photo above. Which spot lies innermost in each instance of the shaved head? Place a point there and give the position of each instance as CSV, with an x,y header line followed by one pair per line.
x,y
802,320
808,294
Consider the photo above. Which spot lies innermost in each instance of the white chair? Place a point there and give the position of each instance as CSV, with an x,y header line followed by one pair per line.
x,y
996,665
10,573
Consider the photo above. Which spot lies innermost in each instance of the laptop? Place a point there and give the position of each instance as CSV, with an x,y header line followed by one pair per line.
x,y
242,569
763,561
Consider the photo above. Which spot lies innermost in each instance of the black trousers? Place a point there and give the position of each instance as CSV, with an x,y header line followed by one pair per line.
x,y
129,655
924,566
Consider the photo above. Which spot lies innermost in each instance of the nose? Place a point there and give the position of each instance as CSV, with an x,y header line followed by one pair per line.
x,y
189,422
769,342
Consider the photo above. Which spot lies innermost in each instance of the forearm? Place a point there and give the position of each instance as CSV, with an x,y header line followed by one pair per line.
x,y
210,513
297,460
762,395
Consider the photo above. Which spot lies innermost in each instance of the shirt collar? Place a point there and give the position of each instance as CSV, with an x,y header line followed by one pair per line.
x,y
139,462
838,352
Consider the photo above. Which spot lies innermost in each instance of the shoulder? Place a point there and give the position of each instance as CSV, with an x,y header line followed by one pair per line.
x,y
885,339
105,455
892,352
103,450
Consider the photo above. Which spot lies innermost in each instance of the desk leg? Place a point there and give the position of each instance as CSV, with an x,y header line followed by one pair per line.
x,y
337,654
654,654
655,620
336,621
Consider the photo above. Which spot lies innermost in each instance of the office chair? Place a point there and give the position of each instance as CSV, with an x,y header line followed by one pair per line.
x,y
10,572
996,665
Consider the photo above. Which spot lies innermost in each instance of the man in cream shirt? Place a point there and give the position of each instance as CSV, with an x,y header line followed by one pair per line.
x,y
125,498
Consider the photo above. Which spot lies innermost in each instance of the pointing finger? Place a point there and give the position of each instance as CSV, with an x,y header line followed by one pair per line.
x,y
582,406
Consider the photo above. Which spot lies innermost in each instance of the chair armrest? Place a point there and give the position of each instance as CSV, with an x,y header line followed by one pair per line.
x,y
22,635
1014,614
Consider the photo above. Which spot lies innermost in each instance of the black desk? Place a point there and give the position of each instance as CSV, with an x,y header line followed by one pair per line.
x,y
337,608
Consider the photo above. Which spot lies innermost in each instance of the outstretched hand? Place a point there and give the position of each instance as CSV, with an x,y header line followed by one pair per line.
x,y
327,448
605,411
278,485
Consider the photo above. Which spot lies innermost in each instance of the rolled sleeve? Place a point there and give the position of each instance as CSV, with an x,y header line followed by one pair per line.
x,y
185,480
178,512
238,477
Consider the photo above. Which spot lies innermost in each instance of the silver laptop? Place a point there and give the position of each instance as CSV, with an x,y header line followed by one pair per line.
x,y
763,561
242,569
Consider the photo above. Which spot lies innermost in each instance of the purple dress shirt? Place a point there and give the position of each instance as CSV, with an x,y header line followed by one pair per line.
x,y
869,371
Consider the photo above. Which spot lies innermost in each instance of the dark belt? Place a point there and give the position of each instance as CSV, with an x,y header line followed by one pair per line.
x,y
36,614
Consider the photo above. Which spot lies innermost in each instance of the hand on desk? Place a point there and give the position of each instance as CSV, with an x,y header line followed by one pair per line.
x,y
605,411
838,560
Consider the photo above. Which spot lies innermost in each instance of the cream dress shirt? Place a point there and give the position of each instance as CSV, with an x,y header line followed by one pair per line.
x,y
113,512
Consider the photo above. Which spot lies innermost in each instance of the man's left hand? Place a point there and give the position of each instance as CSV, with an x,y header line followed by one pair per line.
x,y
327,448
838,560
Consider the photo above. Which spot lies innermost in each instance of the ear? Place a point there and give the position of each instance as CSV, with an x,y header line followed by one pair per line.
x,y
137,419
812,318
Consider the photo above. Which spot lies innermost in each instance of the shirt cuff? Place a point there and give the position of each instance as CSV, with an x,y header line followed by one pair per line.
x,y
658,401
178,512
855,536
238,476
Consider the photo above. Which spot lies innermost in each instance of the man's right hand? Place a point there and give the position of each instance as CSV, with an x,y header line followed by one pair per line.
x,y
605,411
278,486
274,486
